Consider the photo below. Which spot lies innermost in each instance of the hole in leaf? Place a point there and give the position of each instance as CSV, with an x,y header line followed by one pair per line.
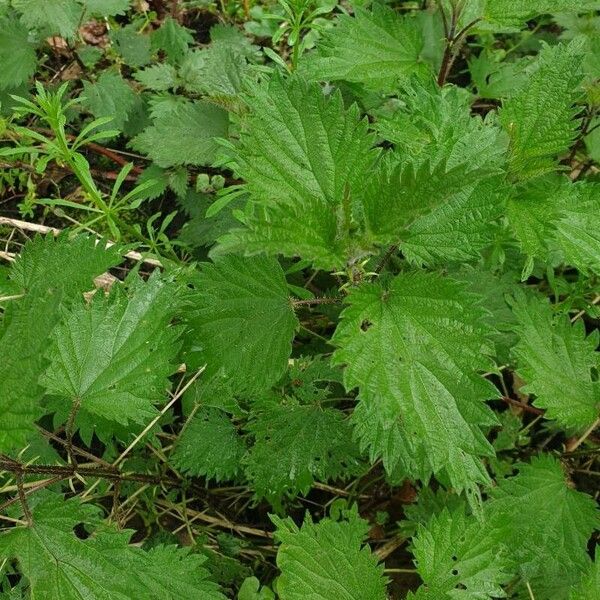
x,y
366,325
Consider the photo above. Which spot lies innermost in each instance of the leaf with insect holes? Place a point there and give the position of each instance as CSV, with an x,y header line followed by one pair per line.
x,y
558,363
327,560
113,355
51,273
545,524
414,349
61,566
459,557
243,322
172,39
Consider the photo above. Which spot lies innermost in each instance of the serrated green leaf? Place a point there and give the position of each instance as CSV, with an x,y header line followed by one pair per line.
x,y
459,557
545,524
327,561
114,355
310,443
172,39
557,221
51,273
209,446
414,350
134,47
243,321
588,588
376,48
541,118
55,17
215,71
184,135
159,77
17,54
556,361
302,155
60,566
109,96
578,231
515,13
107,8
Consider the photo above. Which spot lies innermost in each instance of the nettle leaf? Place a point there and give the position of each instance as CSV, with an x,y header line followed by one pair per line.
x,y
109,96
545,524
442,196
376,48
209,446
55,17
216,71
243,322
113,356
590,583
515,13
172,39
133,47
327,560
183,135
302,154
558,221
107,8
437,126
415,349
558,363
17,54
540,119
310,443
159,77
578,230
435,213
60,566
51,273
459,557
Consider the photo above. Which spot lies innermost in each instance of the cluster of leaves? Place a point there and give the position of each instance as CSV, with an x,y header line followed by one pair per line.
x,y
380,272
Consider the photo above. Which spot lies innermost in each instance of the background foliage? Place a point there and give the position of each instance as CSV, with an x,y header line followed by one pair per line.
x,y
299,299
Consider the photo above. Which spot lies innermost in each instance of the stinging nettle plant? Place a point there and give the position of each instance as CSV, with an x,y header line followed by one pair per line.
x,y
378,325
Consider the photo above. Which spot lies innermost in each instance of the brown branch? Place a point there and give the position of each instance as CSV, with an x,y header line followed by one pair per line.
x,y
22,497
526,407
68,471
